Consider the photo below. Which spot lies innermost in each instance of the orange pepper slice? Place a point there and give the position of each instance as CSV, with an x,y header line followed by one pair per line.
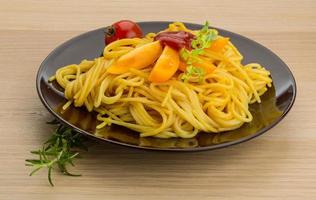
x,y
219,44
208,67
182,66
166,66
138,58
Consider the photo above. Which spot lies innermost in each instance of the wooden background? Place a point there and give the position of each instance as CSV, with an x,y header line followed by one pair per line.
x,y
279,165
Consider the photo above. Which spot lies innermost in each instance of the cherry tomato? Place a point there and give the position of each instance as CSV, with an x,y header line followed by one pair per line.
x,y
122,29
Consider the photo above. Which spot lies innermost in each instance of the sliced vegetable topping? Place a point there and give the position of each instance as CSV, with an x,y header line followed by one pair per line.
x,y
218,44
189,47
176,40
138,58
166,66
207,66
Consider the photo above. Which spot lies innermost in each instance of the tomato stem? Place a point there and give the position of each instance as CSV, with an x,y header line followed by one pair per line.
x,y
110,31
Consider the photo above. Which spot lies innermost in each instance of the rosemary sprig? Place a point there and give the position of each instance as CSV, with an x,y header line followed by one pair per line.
x,y
57,151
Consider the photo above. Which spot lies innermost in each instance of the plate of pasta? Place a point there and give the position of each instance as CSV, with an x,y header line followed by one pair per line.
x,y
166,86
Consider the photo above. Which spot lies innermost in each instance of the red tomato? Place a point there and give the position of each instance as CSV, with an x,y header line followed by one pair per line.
x,y
122,29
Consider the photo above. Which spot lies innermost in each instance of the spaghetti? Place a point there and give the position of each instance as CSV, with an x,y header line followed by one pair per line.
x,y
174,108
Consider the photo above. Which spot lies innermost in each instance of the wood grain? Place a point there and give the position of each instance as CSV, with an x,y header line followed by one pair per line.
x,y
278,165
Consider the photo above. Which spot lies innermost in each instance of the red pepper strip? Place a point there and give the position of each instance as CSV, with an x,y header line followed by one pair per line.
x,y
176,40
175,43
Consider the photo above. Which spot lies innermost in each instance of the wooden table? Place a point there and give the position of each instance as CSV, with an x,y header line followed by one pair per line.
x,y
278,165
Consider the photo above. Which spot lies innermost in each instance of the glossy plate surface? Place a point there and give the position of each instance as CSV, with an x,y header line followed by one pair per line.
x,y
275,103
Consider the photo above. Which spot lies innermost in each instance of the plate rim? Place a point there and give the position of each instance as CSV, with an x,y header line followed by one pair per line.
x,y
190,149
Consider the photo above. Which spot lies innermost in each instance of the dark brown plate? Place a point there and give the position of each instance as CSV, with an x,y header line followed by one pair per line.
x,y
276,103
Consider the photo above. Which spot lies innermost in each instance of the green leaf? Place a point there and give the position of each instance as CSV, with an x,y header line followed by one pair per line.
x,y
50,176
35,170
204,37
192,71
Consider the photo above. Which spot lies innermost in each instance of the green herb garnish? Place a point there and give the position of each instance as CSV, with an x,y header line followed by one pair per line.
x,y
203,40
192,71
57,151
